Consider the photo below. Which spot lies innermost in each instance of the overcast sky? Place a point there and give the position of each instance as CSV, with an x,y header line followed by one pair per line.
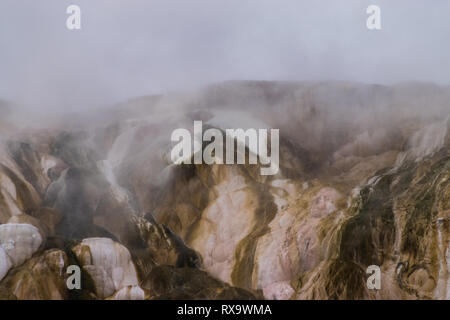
x,y
128,48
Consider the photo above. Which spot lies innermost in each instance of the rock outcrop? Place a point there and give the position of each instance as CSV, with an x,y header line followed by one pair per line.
x,y
364,180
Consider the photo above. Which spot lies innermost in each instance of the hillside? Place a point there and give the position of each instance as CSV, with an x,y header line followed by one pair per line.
x,y
364,180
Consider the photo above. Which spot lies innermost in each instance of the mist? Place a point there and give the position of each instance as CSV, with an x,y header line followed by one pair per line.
x,y
88,180
134,48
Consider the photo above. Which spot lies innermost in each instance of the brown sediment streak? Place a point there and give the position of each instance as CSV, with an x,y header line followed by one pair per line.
x,y
241,275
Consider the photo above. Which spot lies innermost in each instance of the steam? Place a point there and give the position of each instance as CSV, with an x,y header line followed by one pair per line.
x,y
82,81
156,47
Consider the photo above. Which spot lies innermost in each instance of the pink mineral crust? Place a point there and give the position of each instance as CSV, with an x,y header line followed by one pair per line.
x,y
324,202
278,291
292,247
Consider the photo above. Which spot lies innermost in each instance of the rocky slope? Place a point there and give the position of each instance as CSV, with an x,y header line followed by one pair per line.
x,y
363,180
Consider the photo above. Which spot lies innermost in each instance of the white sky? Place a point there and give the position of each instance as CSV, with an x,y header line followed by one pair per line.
x,y
128,48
